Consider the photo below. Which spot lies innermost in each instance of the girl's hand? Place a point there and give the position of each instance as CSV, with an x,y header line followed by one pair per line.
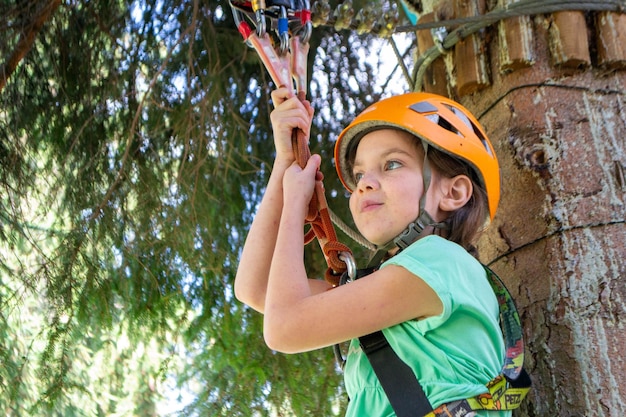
x,y
299,184
289,113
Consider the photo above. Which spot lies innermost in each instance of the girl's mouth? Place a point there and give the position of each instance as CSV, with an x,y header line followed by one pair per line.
x,y
369,205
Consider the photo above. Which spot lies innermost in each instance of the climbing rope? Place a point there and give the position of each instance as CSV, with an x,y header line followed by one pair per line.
x,y
287,65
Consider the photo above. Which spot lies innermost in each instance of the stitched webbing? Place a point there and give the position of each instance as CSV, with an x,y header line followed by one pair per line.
x,y
318,215
286,66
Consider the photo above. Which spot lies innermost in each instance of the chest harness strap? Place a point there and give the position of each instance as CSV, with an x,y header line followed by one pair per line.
x,y
396,377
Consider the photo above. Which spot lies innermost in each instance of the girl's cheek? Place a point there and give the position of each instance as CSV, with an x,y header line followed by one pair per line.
x,y
351,203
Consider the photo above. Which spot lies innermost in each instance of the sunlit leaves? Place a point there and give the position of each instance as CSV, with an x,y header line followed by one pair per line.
x,y
135,145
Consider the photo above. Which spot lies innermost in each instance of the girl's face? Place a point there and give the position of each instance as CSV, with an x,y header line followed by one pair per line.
x,y
389,184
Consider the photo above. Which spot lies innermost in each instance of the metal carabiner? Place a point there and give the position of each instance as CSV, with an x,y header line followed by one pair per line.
x,y
350,274
320,13
305,20
259,13
283,31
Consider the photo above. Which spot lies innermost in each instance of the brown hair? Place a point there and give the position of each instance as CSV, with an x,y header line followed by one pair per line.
x,y
466,223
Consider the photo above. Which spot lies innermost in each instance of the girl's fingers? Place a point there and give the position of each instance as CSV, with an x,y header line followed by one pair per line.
x,y
291,114
280,95
313,164
309,108
311,169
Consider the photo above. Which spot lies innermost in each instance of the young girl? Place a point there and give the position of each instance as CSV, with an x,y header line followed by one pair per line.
x,y
424,180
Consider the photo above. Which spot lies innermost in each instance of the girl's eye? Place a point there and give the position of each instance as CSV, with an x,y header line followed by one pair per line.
x,y
357,176
390,165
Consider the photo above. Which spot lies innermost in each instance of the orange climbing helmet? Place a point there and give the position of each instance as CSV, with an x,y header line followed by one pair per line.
x,y
436,120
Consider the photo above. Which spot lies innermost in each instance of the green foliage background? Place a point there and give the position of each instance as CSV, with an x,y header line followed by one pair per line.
x,y
134,147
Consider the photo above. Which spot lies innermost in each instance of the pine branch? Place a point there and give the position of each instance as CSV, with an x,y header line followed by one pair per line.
x,y
27,38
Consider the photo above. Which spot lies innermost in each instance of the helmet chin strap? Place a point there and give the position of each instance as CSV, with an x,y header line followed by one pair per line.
x,y
423,226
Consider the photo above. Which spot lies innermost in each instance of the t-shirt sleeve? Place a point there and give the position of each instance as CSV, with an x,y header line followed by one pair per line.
x,y
415,259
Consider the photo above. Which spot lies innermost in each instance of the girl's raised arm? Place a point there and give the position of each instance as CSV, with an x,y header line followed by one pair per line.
x,y
254,265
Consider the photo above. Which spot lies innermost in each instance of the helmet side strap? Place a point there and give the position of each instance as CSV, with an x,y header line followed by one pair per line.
x,y
424,225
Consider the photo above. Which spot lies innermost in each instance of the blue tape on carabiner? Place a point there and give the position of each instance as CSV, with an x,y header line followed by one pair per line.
x,y
283,25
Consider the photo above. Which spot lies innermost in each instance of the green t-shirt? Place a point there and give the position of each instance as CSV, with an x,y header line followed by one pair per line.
x,y
455,354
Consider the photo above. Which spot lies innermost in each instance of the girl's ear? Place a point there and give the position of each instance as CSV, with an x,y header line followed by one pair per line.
x,y
456,192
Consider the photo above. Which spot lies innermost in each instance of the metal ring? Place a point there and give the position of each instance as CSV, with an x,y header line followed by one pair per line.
x,y
307,28
283,31
348,259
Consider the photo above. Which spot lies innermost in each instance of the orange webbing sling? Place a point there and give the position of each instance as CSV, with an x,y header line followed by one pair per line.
x,y
287,66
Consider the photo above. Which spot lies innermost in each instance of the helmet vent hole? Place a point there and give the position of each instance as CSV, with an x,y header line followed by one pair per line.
x,y
483,140
448,126
461,115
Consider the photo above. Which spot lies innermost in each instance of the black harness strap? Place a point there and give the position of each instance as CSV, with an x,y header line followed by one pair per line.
x,y
396,377
398,380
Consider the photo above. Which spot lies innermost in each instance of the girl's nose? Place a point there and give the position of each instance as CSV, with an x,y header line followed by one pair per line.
x,y
367,181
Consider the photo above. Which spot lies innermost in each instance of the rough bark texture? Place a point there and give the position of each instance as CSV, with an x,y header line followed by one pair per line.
x,y
558,239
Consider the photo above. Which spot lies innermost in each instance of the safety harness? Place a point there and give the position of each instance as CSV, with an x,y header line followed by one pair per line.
x,y
286,64
406,395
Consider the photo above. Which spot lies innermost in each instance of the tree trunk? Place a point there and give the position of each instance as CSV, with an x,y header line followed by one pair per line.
x,y
558,123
